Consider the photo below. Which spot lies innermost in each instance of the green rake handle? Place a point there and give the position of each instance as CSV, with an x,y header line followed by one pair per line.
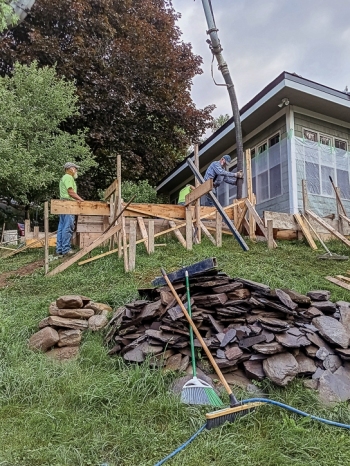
x,y
194,370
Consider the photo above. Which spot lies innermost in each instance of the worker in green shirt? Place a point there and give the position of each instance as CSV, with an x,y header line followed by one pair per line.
x,y
68,191
183,193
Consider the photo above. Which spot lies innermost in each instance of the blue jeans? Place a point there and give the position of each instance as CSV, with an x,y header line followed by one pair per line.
x,y
64,233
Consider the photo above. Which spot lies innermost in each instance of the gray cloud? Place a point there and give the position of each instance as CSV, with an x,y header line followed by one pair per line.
x,y
263,38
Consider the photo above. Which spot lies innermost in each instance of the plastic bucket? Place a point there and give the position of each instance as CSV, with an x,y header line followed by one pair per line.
x,y
11,236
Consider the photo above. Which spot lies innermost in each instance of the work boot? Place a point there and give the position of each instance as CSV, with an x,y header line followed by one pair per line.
x,y
69,253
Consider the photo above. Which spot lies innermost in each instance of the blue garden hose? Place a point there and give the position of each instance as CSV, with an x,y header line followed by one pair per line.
x,y
261,400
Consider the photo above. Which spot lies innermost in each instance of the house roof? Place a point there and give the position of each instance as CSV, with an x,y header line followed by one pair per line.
x,y
300,92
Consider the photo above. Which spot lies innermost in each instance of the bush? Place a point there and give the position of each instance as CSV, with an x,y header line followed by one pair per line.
x,y
143,191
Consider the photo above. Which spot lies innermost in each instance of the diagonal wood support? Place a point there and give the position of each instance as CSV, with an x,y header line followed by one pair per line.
x,y
219,207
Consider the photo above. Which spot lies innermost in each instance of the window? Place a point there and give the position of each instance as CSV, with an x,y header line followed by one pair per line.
x,y
274,140
326,140
310,135
262,148
339,144
267,169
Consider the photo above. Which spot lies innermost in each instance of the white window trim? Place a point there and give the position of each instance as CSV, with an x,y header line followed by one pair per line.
x,y
320,133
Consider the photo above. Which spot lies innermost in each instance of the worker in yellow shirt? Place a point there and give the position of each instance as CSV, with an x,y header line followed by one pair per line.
x,y
183,193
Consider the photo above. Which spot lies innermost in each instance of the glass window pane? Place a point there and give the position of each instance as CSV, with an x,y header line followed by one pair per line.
x,y
261,163
310,135
326,140
343,183
274,140
263,186
275,181
312,177
339,144
326,172
274,155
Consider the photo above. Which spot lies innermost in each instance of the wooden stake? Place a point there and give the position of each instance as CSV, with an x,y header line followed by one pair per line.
x,y
177,233
207,233
143,231
306,231
150,236
26,228
46,229
189,231
218,230
132,245
125,246
36,232
305,196
328,227
258,221
119,199
249,181
269,224
198,202
2,233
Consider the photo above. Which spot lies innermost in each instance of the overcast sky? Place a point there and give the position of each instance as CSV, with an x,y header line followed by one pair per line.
x,y
262,38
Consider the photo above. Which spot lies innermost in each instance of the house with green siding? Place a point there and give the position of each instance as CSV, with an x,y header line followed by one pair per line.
x,y
296,129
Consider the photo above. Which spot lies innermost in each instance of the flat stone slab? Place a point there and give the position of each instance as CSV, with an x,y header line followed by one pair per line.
x,y
233,353
332,362
320,342
312,312
254,369
306,365
292,341
64,354
174,362
237,378
332,330
286,299
269,348
344,311
327,307
97,322
65,322
333,388
69,337
311,351
44,339
251,341
319,295
70,301
281,368
344,353
75,313
98,308
230,335
297,297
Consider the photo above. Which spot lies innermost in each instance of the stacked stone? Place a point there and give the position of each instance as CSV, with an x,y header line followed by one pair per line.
x,y
278,334
61,332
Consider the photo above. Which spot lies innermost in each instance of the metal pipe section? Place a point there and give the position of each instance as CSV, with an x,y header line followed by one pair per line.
x,y
216,49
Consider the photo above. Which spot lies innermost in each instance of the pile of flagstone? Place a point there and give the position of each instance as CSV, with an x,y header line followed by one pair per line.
x,y
279,334
61,332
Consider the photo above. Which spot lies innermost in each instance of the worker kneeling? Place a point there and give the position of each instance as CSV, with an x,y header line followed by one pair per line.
x,y
218,173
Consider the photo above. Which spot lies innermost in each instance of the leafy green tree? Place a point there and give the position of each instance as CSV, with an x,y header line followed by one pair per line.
x,y
33,148
219,121
133,76
142,189
7,15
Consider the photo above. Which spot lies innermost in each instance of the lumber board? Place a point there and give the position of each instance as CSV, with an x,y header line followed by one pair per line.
x,y
270,234
306,231
177,233
344,217
328,227
110,232
189,230
79,208
150,236
31,245
198,192
110,190
125,245
341,277
241,217
198,203
168,211
95,219
258,221
338,282
218,227
90,227
219,207
207,233
143,230
132,245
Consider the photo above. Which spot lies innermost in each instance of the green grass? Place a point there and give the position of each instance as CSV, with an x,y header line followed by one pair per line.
x,y
98,410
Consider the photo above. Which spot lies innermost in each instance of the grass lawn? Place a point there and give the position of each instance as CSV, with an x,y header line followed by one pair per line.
x,y
97,410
